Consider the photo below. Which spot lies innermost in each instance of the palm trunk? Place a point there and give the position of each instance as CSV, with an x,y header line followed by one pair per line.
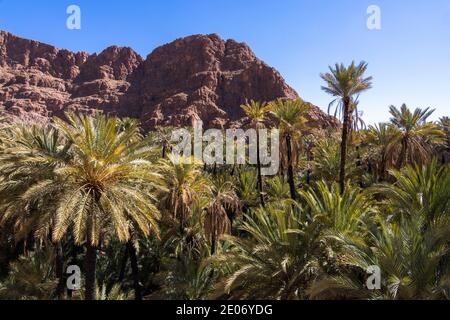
x,y
123,265
382,172
258,162
233,170
73,261
59,268
164,148
213,242
91,270
134,271
290,168
308,172
344,144
402,158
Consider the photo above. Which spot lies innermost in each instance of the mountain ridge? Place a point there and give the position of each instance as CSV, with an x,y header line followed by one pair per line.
x,y
196,77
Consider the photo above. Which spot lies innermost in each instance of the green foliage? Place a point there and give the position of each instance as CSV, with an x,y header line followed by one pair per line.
x,y
275,261
30,278
165,227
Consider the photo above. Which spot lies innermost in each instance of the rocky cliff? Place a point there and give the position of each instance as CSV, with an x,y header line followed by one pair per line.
x,y
198,77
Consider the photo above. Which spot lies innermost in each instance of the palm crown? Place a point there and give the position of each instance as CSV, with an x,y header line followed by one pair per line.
x,y
346,82
108,183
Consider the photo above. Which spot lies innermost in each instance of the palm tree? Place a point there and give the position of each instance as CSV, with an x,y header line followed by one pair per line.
x,y
291,116
276,261
416,134
326,163
163,138
383,138
223,207
345,83
410,246
337,216
106,188
257,112
444,124
246,188
30,277
184,185
31,155
278,189
409,257
338,213
421,188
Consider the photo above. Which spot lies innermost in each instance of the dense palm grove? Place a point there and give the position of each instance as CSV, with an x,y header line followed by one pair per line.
x,y
99,193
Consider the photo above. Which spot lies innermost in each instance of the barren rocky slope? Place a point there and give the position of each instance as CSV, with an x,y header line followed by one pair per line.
x,y
197,77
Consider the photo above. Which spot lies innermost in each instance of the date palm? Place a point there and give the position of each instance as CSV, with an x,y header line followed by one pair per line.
x,y
30,156
383,139
326,163
257,112
419,188
444,124
184,184
275,261
224,206
247,188
30,277
345,83
410,259
417,135
291,115
104,190
410,247
162,136
338,213
278,189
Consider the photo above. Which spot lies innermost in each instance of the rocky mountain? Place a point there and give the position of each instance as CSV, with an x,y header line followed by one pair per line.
x,y
197,77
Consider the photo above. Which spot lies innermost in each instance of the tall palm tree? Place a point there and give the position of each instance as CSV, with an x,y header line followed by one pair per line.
x,y
345,83
257,111
416,134
291,116
104,190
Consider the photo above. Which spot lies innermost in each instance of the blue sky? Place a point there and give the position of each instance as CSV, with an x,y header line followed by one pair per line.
x,y
409,57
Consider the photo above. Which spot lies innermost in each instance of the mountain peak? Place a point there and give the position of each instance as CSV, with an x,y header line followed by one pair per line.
x,y
197,77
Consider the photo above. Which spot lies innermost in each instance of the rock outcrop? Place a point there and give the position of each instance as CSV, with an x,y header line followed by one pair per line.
x,y
198,77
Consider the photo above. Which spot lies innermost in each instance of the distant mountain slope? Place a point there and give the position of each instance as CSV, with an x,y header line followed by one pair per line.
x,y
197,77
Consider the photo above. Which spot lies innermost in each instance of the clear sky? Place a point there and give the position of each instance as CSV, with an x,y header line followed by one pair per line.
x,y
409,57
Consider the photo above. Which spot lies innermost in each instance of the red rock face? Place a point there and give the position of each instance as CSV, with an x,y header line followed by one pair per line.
x,y
198,77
